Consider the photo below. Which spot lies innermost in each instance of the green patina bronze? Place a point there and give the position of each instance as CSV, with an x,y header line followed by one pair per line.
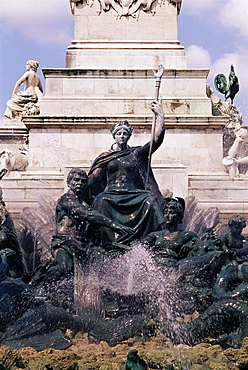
x,y
135,361
228,88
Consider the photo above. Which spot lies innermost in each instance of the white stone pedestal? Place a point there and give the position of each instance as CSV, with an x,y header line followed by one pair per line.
x,y
110,93
59,141
107,39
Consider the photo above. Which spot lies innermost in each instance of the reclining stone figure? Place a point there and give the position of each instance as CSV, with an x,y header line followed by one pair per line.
x,y
13,161
25,102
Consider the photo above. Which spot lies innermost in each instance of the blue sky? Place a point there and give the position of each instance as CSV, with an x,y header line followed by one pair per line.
x,y
213,32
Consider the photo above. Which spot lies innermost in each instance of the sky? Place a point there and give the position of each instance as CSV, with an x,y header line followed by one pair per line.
x,y
213,32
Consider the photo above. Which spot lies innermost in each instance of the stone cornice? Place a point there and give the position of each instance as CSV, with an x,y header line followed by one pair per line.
x,y
125,44
13,132
102,122
106,73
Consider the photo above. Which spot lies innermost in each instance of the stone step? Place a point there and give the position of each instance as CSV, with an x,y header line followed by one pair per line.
x,y
219,190
23,189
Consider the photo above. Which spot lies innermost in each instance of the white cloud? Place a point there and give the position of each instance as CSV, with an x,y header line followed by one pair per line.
x,y
200,7
45,21
198,57
234,14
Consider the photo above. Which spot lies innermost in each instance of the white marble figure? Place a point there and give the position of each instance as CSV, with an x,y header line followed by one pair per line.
x,y
25,102
237,153
13,161
231,161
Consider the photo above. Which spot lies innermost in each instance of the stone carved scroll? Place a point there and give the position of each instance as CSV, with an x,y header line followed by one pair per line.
x,y
126,7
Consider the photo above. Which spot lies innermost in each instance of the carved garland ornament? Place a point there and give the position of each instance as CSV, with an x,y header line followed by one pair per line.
x,y
126,7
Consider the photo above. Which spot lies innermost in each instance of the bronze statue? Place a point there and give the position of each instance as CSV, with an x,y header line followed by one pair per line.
x,y
168,243
30,322
228,89
232,281
225,319
74,216
233,240
135,362
117,179
9,245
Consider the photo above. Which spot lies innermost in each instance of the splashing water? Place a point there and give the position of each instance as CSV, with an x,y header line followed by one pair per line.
x,y
130,275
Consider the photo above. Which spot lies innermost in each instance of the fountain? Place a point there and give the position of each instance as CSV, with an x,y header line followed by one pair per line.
x,y
120,261
180,283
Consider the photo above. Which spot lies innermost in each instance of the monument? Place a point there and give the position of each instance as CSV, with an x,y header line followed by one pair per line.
x,y
108,76
110,282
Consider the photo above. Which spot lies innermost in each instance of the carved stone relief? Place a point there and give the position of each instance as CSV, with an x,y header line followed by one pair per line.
x,y
126,7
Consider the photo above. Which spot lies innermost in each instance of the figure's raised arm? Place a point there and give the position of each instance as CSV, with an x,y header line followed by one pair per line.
x,y
158,138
